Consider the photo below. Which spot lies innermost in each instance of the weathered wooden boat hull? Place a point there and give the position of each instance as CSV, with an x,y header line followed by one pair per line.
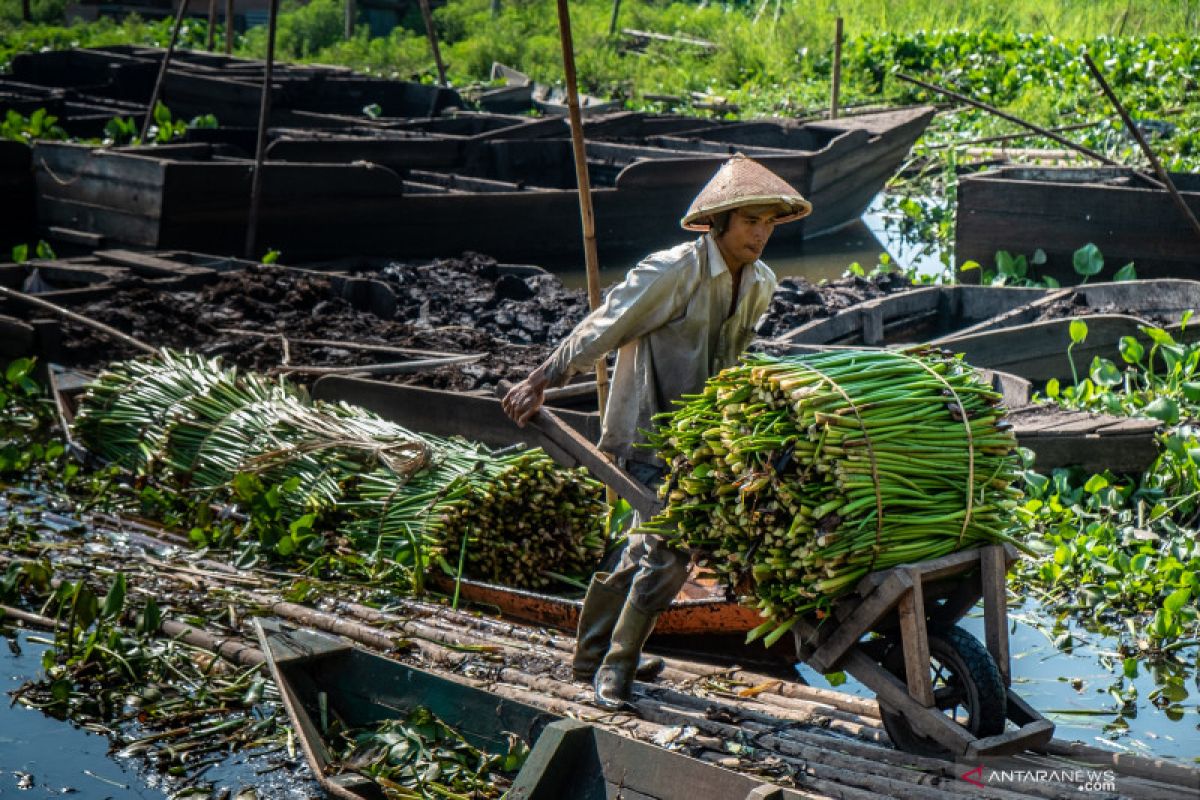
x,y
1036,349
1059,210
512,199
569,759
913,316
230,88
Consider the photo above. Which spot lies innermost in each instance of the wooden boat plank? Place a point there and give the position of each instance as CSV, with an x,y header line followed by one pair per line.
x,y
1060,210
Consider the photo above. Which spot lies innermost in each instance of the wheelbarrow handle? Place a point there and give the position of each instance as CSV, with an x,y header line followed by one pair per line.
x,y
550,425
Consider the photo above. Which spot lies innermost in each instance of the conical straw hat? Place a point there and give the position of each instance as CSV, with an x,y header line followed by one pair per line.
x,y
739,182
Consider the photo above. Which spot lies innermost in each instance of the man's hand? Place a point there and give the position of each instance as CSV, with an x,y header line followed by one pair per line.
x,y
524,399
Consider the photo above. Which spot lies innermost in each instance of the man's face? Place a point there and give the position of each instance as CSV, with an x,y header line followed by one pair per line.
x,y
749,229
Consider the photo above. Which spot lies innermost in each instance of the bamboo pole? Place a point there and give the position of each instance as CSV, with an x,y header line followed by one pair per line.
x,y
1049,134
264,113
586,213
351,13
836,87
29,618
229,27
431,34
212,25
162,69
46,305
1163,176
612,21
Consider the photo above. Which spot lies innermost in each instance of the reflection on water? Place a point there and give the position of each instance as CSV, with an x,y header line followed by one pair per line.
x,y
823,258
48,758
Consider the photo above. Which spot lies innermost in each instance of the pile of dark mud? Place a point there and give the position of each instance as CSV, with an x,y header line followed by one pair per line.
x,y
467,305
1076,305
797,301
518,304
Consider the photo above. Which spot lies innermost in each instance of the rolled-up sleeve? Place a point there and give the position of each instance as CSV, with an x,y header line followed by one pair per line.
x,y
647,299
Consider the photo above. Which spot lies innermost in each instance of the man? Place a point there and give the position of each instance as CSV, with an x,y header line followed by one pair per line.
x,y
679,317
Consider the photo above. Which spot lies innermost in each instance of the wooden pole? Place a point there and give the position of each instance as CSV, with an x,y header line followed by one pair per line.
x,y
264,113
612,22
587,217
212,26
46,305
431,34
351,13
836,88
228,27
1162,174
162,69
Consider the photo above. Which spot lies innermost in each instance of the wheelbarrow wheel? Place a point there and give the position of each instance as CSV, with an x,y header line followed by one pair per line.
x,y
967,687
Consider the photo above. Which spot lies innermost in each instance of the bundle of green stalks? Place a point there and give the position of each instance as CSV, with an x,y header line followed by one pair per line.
x,y
799,475
515,518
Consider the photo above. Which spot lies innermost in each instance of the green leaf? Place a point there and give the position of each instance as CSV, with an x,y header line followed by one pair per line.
x,y
1095,484
1186,318
1158,335
1177,600
1051,282
162,115
1131,349
1191,391
114,601
1052,388
18,369
151,617
20,253
60,690
44,250
1039,257
1163,408
968,265
1078,330
1126,273
836,678
1105,372
1088,261
87,607
1130,668
271,257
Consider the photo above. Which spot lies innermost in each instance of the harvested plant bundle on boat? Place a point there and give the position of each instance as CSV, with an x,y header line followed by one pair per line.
x,y
195,425
802,474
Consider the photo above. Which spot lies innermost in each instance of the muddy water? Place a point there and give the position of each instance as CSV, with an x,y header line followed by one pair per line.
x,y
824,258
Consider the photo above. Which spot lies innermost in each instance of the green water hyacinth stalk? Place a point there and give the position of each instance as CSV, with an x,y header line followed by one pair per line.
x,y
191,424
794,477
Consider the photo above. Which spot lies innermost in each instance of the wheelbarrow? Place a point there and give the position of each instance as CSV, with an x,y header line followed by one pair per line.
x,y
941,692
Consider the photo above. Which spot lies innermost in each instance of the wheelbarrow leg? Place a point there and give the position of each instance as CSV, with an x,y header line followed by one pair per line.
x,y
993,569
914,637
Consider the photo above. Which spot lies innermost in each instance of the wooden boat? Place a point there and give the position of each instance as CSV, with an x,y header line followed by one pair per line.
x,y
499,197
917,315
1023,343
207,83
1021,209
321,677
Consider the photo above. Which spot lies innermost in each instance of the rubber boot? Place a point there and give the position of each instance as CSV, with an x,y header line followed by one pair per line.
x,y
601,609
614,679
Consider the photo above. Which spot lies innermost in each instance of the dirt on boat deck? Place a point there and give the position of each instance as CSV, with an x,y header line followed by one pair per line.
x,y
462,305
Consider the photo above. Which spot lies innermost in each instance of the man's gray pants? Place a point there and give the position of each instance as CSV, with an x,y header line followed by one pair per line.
x,y
649,573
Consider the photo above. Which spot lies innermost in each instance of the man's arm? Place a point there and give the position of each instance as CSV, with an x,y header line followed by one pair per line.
x,y
647,298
